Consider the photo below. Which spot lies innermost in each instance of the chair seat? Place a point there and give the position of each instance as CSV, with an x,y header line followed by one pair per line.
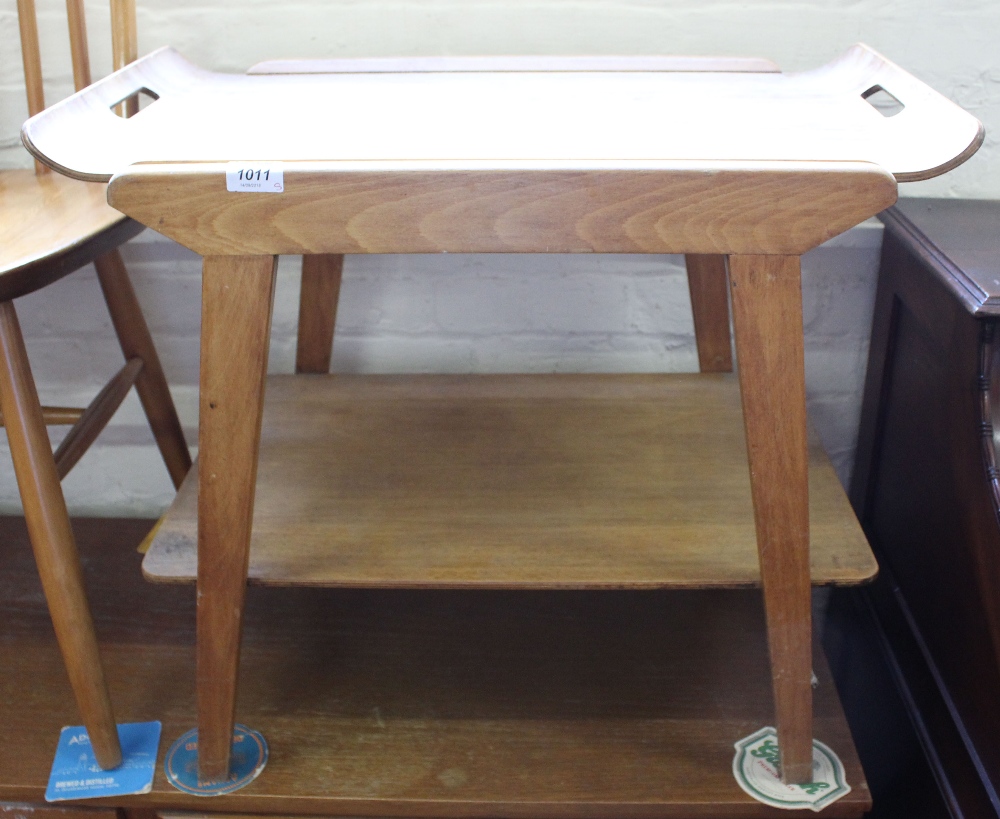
x,y
50,226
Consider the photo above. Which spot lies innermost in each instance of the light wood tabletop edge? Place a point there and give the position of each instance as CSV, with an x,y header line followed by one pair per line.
x,y
769,207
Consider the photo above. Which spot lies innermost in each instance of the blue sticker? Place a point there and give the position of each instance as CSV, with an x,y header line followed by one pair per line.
x,y
76,774
247,759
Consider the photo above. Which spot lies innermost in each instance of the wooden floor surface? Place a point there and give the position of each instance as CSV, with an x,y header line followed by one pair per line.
x,y
414,703
510,481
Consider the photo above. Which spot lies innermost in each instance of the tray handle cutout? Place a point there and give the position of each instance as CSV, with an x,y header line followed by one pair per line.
x,y
82,137
134,103
882,101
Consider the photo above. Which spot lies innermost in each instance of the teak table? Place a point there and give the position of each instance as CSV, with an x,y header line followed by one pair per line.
x,y
481,157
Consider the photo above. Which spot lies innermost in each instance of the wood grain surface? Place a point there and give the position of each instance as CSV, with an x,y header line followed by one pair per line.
x,y
708,284
15,811
78,45
236,301
51,226
514,207
509,116
52,541
151,383
767,320
57,416
31,57
487,481
393,703
95,417
124,46
124,38
318,300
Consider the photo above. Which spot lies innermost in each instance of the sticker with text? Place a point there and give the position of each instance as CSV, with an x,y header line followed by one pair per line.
x,y
756,768
76,774
247,758
255,177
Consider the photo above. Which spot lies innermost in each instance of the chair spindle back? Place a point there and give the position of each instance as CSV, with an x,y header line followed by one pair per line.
x,y
124,47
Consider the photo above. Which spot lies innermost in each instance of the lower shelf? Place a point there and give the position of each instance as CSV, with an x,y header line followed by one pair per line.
x,y
432,704
566,481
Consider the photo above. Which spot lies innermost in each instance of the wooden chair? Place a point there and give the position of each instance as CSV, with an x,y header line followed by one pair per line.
x,y
49,227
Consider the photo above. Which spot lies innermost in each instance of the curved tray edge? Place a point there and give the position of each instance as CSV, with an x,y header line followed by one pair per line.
x,y
934,135
81,137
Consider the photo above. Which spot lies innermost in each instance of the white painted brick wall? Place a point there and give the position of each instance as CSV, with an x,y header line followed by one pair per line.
x,y
451,313
483,313
950,44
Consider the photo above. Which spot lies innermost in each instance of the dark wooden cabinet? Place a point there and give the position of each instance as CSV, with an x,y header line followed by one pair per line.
x,y
925,487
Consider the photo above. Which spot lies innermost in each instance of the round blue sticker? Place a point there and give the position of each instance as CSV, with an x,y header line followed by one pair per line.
x,y
247,760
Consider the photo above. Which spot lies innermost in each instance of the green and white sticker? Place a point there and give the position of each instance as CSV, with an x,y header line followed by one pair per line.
x,y
755,767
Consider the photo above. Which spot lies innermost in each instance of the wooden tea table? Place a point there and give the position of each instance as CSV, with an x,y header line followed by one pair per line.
x,y
759,167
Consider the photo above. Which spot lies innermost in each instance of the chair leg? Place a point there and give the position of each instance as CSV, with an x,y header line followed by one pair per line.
x,y
767,316
151,385
237,300
710,305
321,276
52,540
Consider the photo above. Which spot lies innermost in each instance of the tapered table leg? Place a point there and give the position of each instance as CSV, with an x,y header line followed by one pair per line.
x,y
52,540
318,301
710,306
767,318
237,299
